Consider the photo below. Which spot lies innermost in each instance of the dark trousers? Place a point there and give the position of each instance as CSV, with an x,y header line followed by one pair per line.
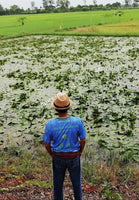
x,y
59,168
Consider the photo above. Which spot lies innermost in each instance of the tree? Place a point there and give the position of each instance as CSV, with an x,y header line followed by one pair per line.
x,y
45,3
33,5
1,8
67,3
116,5
135,3
48,4
94,2
108,5
14,8
2,11
127,3
22,20
63,4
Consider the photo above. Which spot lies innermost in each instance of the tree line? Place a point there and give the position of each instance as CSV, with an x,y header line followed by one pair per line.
x,y
51,6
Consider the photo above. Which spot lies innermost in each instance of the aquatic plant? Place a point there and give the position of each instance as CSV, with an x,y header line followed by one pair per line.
x,y
99,74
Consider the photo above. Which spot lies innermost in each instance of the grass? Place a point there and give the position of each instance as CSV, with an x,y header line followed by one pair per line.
x,y
105,22
127,28
24,163
31,164
20,168
112,171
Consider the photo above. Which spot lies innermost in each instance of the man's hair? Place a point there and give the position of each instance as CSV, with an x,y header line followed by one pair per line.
x,y
62,111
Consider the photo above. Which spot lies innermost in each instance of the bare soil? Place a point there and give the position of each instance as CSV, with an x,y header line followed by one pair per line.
x,y
14,188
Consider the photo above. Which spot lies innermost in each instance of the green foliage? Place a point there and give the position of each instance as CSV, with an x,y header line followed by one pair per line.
x,y
119,13
38,183
22,20
112,170
133,52
22,97
23,162
18,85
3,61
110,195
1,96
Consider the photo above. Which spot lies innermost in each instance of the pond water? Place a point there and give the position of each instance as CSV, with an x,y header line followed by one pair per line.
x,y
99,73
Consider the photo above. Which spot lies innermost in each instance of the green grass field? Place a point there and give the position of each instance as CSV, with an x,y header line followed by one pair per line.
x,y
124,22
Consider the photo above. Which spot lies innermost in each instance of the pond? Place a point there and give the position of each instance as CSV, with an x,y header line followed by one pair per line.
x,y
100,74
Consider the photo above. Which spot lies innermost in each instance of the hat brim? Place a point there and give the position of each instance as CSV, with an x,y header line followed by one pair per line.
x,y
61,108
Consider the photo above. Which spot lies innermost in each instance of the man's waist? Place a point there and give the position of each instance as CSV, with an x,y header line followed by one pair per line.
x,y
66,154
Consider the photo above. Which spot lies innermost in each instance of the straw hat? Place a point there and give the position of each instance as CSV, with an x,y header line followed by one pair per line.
x,y
61,102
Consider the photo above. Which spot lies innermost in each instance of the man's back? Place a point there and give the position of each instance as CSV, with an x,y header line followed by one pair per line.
x,y
65,133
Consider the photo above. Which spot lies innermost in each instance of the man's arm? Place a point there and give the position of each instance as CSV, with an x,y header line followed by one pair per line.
x,y
48,148
82,145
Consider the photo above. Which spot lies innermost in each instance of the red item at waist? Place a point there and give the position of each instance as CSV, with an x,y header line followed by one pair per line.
x,y
66,154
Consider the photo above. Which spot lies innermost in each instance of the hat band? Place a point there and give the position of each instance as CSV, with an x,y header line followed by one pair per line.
x,y
61,106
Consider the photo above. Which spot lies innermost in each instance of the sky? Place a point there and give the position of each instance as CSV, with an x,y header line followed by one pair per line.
x,y
38,3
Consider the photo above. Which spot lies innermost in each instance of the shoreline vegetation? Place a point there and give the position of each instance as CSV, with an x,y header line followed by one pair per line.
x,y
21,169
92,23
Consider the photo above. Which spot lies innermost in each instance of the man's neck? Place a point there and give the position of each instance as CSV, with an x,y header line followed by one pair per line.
x,y
63,115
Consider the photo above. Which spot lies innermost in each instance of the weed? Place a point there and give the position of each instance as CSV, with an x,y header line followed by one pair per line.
x,y
22,97
2,62
110,195
20,161
1,96
98,171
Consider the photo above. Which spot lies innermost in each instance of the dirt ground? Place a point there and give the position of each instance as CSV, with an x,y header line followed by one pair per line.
x,y
14,188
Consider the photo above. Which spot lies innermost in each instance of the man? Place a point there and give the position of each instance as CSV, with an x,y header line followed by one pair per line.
x,y
64,139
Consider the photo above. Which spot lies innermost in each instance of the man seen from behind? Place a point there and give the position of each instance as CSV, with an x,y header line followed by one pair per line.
x,y
64,139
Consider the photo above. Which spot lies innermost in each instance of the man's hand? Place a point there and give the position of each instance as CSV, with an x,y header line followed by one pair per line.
x,y
48,148
82,145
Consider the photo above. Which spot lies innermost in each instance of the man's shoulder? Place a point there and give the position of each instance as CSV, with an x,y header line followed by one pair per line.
x,y
76,119
51,121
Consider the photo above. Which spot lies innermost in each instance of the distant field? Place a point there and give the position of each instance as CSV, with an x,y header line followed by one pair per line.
x,y
114,22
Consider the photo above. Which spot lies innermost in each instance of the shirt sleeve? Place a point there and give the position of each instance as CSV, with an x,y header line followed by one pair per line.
x,y
47,134
82,131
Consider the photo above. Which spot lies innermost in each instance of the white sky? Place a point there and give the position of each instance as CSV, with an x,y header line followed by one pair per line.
x,y
38,3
